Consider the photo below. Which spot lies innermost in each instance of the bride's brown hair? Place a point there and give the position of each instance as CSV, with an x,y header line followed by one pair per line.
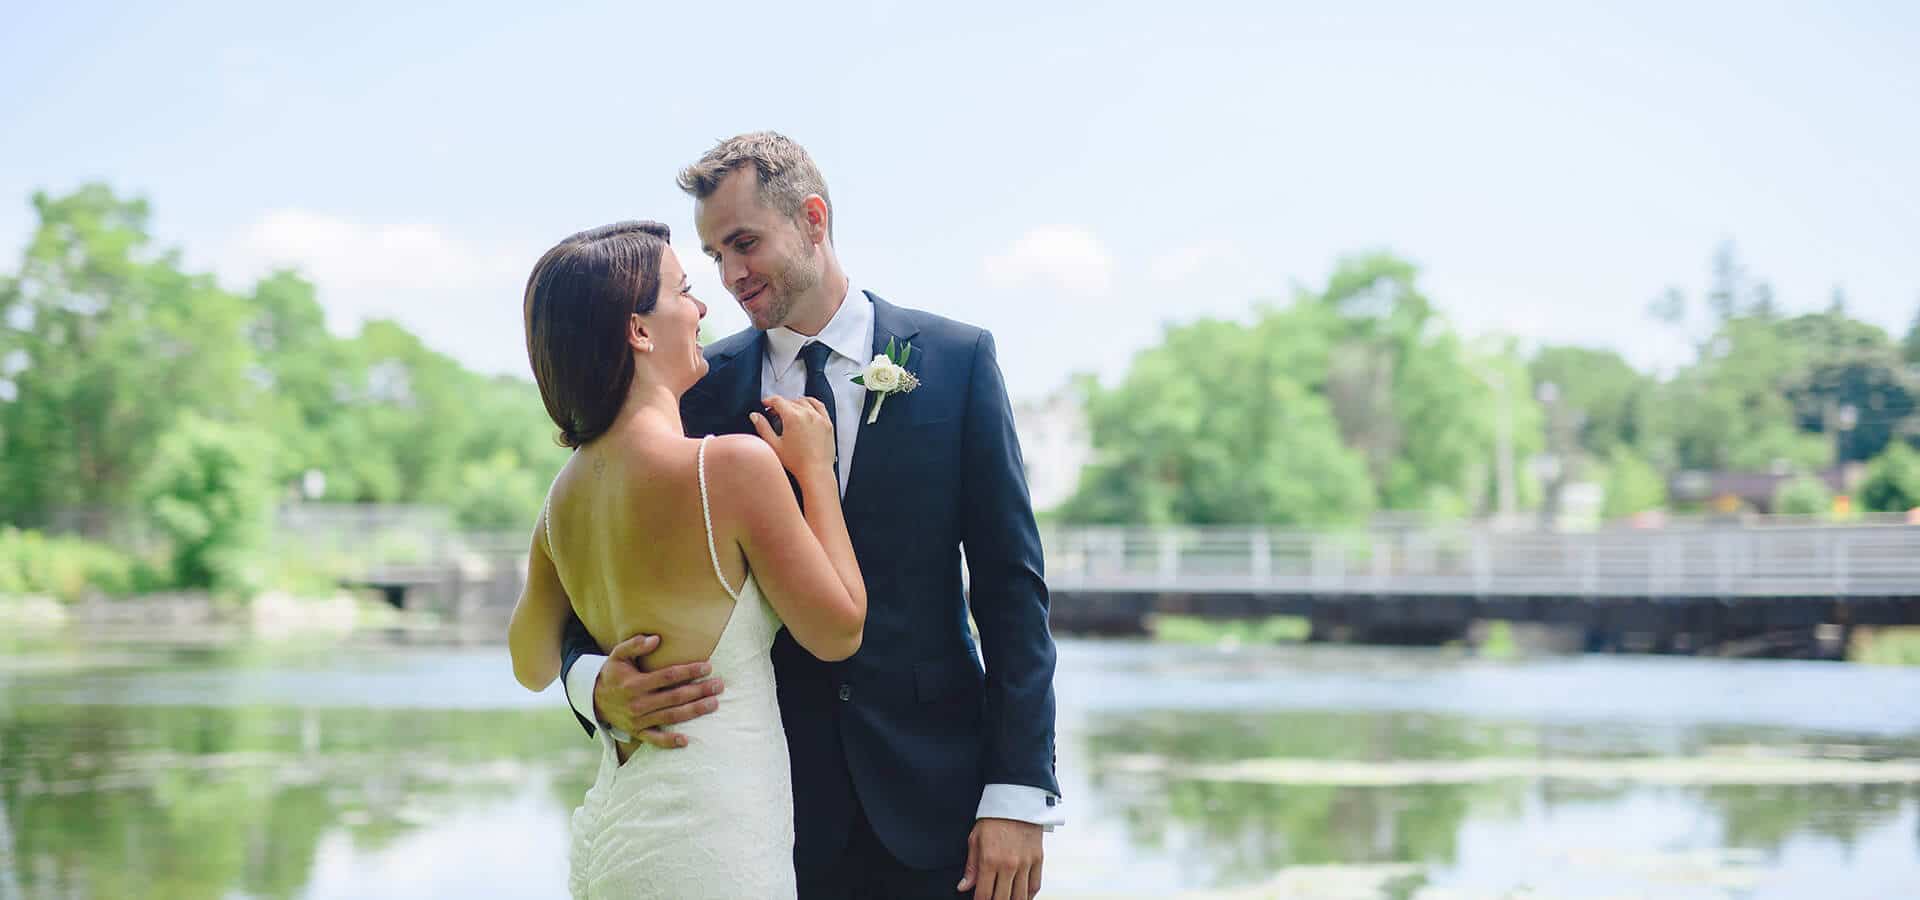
x,y
578,302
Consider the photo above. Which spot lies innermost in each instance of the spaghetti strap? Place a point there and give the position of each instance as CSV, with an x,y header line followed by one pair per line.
x,y
706,512
546,521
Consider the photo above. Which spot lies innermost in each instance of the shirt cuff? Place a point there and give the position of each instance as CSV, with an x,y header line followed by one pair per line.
x,y
1021,803
579,684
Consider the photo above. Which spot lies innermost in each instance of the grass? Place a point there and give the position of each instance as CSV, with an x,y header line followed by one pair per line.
x,y
1886,646
1196,630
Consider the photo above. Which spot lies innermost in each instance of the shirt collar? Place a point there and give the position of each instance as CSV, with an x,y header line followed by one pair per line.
x,y
849,333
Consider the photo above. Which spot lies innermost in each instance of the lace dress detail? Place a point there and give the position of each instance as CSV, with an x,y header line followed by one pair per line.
x,y
713,819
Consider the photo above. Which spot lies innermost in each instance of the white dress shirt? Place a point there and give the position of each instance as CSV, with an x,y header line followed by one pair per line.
x,y
849,334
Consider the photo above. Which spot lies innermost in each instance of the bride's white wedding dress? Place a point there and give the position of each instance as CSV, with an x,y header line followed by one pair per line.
x,y
713,819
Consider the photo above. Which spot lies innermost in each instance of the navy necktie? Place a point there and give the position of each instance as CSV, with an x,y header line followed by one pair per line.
x,y
815,356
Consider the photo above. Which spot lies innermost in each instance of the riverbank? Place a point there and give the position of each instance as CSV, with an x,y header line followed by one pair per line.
x,y
1492,640
270,614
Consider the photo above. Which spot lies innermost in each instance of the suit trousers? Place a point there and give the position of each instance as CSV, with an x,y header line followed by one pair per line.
x,y
866,870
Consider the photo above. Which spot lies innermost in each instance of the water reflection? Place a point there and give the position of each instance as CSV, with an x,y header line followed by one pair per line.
x,y
374,770
1159,772
200,802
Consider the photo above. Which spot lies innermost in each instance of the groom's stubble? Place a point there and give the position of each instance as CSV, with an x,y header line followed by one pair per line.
x,y
796,286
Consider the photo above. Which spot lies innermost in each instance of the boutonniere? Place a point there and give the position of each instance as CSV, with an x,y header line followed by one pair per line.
x,y
887,374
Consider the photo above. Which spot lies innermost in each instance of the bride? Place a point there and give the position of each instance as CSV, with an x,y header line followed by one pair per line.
x,y
697,540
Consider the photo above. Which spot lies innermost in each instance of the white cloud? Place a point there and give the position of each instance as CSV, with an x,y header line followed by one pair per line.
x,y
1068,257
460,295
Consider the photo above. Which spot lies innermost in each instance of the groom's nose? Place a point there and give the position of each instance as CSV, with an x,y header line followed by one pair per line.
x,y
733,271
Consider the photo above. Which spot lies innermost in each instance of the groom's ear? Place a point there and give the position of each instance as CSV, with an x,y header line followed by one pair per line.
x,y
813,218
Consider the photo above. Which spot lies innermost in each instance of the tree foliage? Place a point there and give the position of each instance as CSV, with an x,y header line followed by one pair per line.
x,y
1804,495
1354,399
1228,421
135,391
1893,481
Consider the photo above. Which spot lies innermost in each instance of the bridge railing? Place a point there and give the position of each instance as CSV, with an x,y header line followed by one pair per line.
x,y
1780,560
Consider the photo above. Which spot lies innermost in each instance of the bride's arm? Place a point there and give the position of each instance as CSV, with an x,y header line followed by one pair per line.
x,y
804,562
539,617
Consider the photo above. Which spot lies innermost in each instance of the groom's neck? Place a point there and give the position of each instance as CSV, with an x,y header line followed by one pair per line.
x,y
832,292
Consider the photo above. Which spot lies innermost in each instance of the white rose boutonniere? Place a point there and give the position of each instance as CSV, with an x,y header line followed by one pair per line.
x,y
886,375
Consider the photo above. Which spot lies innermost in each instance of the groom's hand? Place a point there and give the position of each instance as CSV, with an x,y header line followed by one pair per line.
x,y
1003,860
641,703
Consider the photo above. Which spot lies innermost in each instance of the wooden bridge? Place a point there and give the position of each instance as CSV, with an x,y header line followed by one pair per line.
x,y
1773,589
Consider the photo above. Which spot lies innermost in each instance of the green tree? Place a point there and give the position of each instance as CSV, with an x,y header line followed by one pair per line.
x,y
1632,485
1862,401
210,490
498,493
1426,411
1803,495
1598,392
123,377
1354,398
1222,424
108,342
1893,481
1730,409
1910,348
310,376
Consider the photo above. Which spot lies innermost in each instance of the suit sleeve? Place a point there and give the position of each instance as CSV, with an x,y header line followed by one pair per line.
x,y
1007,592
575,642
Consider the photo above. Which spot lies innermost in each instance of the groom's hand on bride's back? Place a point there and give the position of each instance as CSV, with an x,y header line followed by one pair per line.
x,y
643,703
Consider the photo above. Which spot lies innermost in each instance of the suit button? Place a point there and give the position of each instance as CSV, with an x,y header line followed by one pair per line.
x,y
846,692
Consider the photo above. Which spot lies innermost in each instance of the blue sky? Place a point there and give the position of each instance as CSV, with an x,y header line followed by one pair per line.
x,y
1071,179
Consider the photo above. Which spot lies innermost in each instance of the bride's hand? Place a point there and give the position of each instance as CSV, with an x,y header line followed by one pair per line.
x,y
805,440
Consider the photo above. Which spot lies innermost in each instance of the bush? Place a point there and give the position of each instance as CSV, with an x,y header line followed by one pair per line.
x,y
66,567
1632,486
498,494
210,490
1893,480
1803,495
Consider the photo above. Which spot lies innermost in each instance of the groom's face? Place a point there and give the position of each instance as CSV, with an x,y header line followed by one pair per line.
x,y
766,262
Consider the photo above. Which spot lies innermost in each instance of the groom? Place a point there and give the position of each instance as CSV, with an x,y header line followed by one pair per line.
x,y
915,775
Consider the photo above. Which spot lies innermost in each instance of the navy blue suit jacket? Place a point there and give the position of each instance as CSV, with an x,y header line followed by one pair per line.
x,y
911,727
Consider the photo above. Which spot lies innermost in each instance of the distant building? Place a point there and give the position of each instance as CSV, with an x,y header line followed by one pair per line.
x,y
1056,445
1734,491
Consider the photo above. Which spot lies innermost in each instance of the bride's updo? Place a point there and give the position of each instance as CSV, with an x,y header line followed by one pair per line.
x,y
578,302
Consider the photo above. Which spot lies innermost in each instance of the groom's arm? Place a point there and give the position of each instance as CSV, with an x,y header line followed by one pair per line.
x,y
1008,597
578,646
628,701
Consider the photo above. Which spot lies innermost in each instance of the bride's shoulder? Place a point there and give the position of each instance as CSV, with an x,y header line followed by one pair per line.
x,y
742,456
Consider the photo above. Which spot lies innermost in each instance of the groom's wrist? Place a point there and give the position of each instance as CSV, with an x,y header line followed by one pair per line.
x,y
1022,803
581,680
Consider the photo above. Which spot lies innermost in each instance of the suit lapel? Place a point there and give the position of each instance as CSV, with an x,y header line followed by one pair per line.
x,y
890,324
720,402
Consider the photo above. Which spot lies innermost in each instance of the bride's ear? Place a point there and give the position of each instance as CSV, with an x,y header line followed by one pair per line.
x,y
637,338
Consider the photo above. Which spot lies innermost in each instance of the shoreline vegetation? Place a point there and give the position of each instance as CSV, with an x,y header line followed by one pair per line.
x,y
1496,639
270,614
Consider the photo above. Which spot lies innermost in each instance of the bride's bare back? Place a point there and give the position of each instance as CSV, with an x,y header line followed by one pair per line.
x,y
623,544
626,533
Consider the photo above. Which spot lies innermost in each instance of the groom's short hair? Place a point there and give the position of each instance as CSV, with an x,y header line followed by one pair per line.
x,y
786,173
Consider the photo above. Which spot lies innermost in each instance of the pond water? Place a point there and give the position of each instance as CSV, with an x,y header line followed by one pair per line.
x,y
401,765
